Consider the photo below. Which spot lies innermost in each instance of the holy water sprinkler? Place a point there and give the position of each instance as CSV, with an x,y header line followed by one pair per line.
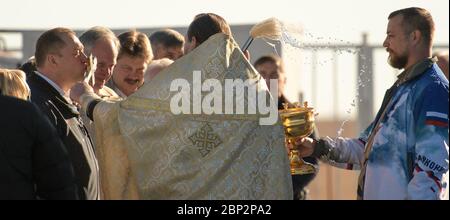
x,y
89,76
269,28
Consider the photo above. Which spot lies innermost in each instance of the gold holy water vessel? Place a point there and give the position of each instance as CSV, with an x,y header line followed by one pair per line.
x,y
298,122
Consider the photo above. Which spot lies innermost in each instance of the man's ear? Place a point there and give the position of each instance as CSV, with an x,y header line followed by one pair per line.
x,y
52,59
193,42
416,37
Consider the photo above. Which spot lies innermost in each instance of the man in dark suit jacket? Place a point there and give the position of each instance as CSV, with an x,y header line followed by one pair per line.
x,y
61,63
271,67
33,161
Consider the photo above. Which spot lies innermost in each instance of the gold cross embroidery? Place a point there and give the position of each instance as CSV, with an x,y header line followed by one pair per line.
x,y
205,139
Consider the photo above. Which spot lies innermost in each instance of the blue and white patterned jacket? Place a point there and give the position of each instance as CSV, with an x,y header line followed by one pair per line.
x,y
409,157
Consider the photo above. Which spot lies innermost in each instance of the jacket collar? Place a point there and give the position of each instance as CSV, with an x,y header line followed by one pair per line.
x,y
415,70
56,98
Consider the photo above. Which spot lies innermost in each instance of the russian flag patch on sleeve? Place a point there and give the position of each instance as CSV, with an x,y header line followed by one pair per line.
x,y
435,105
437,119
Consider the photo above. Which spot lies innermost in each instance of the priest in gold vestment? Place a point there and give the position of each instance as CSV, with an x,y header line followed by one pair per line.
x,y
145,151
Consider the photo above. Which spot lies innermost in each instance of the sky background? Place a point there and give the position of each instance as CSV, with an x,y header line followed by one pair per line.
x,y
344,18
322,21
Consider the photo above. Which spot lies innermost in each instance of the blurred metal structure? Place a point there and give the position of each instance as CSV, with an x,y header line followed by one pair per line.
x,y
365,76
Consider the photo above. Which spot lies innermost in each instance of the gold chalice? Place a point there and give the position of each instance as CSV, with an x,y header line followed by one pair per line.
x,y
298,122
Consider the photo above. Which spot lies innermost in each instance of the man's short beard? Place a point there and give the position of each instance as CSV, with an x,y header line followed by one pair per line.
x,y
398,62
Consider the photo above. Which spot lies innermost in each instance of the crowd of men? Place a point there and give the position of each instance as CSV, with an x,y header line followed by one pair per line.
x,y
61,127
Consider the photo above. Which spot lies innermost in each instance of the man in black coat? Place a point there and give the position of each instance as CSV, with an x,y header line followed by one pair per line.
x,y
271,67
60,64
33,162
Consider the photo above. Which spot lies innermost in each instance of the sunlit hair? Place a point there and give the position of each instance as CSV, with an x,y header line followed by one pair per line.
x,y
90,37
135,44
206,25
13,83
417,19
49,42
166,37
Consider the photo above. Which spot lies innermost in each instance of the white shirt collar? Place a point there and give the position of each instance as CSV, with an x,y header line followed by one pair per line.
x,y
120,93
117,90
